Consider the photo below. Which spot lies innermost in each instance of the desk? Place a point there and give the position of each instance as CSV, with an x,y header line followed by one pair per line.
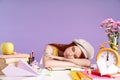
x,y
49,75
45,75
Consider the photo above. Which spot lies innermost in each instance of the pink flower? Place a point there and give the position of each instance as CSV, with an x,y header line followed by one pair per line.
x,y
111,28
108,28
118,23
109,20
107,33
114,30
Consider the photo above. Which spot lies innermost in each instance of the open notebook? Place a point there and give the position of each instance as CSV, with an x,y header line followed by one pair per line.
x,y
112,69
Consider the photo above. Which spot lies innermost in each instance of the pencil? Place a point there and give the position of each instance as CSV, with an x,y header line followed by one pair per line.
x,y
49,68
82,75
74,75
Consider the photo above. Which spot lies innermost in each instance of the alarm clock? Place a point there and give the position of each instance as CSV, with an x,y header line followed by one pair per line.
x,y
109,55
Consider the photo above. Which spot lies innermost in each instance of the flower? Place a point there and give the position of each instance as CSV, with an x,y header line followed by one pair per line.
x,y
111,28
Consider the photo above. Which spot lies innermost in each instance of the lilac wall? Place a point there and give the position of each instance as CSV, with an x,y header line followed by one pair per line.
x,y
31,24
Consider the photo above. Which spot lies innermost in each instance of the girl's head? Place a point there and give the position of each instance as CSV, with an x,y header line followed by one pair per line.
x,y
86,48
80,49
73,52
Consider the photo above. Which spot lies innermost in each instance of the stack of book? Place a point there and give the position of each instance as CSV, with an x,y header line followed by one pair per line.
x,y
6,60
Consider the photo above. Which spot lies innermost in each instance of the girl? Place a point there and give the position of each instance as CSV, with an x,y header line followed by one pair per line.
x,y
76,54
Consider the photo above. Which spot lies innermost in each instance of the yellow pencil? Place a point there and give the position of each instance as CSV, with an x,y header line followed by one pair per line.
x,y
74,75
83,76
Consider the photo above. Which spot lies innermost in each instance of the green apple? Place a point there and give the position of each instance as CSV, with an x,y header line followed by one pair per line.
x,y
7,48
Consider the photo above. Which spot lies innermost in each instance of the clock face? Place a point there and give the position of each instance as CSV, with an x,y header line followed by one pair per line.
x,y
108,57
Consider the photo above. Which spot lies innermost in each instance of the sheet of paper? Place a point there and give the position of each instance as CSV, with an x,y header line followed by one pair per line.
x,y
104,69
22,69
25,66
11,70
111,70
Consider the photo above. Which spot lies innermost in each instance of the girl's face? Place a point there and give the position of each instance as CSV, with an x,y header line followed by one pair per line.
x,y
72,52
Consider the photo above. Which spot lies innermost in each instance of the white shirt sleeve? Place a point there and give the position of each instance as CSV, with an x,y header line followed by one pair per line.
x,y
49,50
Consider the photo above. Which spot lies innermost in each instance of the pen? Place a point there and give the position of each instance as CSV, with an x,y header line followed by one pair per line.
x,y
30,58
109,75
63,69
49,68
57,69
32,54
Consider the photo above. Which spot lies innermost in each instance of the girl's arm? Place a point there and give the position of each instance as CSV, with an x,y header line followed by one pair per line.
x,y
80,62
56,61
49,62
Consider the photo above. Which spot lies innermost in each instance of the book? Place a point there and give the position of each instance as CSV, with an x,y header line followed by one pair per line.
x,y
6,59
11,60
104,69
84,75
17,55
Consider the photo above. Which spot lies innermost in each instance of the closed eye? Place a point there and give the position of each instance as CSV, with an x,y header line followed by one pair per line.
x,y
73,49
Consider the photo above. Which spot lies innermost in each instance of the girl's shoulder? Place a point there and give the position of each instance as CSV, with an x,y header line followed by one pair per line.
x,y
51,50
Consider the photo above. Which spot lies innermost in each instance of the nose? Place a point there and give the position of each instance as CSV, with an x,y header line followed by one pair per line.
x,y
70,54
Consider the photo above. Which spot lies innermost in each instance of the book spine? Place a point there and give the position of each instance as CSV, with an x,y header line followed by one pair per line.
x,y
11,60
14,56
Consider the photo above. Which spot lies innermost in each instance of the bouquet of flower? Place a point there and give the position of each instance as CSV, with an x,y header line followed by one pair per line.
x,y
111,28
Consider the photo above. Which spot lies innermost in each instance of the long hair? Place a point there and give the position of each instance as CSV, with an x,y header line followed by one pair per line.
x,y
61,47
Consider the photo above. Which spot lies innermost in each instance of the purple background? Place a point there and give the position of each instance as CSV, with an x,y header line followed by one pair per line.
x,y
31,24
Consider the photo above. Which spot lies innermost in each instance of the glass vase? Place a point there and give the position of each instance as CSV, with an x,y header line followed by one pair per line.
x,y
115,41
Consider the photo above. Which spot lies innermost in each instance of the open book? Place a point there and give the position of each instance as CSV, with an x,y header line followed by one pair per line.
x,y
112,69
22,69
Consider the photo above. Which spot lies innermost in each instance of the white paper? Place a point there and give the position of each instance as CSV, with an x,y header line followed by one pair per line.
x,y
27,67
23,69
104,69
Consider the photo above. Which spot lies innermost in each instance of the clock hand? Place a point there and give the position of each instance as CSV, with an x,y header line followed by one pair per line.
x,y
107,56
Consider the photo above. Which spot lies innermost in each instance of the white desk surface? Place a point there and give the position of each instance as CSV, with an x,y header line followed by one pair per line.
x,y
45,75
48,75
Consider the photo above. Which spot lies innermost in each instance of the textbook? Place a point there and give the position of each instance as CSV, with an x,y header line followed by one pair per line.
x,y
85,76
17,55
6,59
103,69
101,73
11,60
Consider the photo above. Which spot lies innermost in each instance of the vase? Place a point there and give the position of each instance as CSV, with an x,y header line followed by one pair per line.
x,y
114,39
